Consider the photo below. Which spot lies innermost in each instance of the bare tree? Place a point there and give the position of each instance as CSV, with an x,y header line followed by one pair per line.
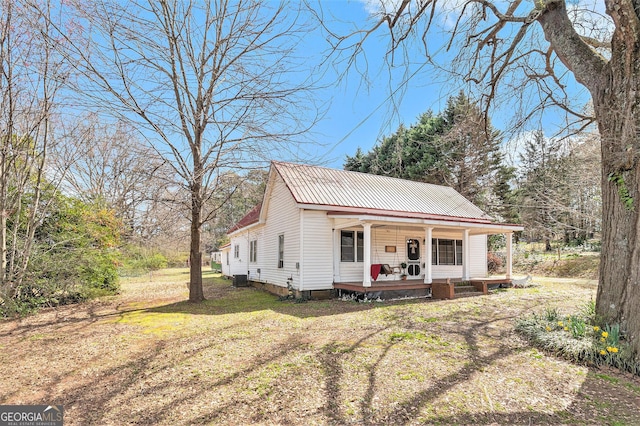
x,y
31,75
211,85
506,47
106,162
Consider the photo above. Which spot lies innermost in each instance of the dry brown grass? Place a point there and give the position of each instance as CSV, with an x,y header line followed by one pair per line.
x,y
243,357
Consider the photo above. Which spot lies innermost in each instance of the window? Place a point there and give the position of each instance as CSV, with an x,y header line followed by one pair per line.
x,y
458,252
227,254
280,251
413,249
446,252
236,251
351,246
253,251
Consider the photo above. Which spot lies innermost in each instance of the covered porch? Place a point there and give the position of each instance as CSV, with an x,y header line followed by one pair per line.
x,y
439,288
372,253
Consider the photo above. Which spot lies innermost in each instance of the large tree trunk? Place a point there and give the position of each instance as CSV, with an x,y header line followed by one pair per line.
x,y
615,90
618,116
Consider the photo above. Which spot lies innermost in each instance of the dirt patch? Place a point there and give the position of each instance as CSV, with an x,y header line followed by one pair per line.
x,y
243,357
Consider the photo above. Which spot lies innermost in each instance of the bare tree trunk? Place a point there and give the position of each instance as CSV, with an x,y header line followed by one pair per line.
x,y
619,290
196,293
3,218
6,71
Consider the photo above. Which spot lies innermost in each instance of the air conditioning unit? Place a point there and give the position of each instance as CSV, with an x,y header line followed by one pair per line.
x,y
240,281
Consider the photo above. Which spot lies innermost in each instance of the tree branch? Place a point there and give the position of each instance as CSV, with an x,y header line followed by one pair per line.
x,y
587,65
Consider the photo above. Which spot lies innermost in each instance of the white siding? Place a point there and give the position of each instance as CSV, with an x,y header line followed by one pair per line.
x,y
254,267
446,271
226,254
282,218
478,256
317,248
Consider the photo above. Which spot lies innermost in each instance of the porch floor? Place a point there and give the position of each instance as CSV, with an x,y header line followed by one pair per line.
x,y
416,284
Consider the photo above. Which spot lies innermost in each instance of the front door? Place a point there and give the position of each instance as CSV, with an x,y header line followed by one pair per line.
x,y
413,257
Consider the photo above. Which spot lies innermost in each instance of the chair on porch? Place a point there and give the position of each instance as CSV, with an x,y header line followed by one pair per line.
x,y
380,268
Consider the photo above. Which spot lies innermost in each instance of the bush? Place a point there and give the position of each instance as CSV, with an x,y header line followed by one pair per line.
x,y
138,261
73,258
579,338
494,263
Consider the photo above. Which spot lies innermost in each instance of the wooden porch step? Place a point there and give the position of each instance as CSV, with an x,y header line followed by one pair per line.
x,y
461,290
465,289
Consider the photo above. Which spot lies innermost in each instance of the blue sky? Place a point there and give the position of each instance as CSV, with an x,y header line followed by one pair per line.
x,y
359,114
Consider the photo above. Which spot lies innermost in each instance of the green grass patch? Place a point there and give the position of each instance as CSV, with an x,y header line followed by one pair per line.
x,y
427,320
406,336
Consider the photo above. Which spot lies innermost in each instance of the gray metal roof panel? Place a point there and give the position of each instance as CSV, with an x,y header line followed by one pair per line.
x,y
330,187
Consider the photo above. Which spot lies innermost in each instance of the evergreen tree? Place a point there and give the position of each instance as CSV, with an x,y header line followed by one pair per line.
x,y
457,148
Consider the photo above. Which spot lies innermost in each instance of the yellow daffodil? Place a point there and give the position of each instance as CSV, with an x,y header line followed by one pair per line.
x,y
548,328
612,349
605,334
560,324
566,329
603,352
602,339
596,328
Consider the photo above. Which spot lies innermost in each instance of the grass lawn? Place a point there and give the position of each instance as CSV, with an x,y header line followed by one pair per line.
x,y
243,357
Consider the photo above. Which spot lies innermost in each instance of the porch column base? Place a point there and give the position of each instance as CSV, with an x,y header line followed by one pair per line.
x,y
443,290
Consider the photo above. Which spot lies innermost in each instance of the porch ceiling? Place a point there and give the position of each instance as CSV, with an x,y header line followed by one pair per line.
x,y
418,224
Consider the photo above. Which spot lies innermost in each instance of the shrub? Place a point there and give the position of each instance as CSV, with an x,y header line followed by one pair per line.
x,y
73,258
138,261
494,262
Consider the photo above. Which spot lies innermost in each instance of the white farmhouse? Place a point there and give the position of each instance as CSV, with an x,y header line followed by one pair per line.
x,y
321,229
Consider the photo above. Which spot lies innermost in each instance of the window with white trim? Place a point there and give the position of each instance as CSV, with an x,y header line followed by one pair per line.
x,y
351,246
280,251
446,252
236,251
253,251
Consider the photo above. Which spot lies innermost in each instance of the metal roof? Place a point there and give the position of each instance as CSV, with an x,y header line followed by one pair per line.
x,y
249,219
313,185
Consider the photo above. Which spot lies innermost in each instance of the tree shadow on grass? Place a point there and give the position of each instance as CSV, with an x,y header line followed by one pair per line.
x,y
600,400
92,401
597,401
223,300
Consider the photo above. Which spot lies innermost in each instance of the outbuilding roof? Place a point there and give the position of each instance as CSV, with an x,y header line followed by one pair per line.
x,y
249,219
320,186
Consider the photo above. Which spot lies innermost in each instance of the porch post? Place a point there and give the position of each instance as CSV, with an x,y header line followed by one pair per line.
x,y
428,267
366,277
465,255
509,236
336,256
